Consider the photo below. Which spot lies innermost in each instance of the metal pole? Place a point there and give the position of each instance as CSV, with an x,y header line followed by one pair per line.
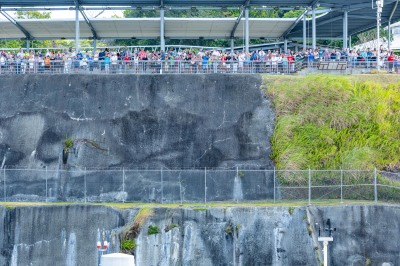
x,y
246,30
46,183
162,187
5,191
325,253
274,184
28,44
314,29
232,44
84,180
162,37
123,184
350,42
378,23
94,46
205,184
285,45
345,28
341,185
77,28
305,32
389,35
309,186
375,187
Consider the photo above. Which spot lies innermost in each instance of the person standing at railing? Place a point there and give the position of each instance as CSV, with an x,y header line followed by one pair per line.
x,y
390,60
107,61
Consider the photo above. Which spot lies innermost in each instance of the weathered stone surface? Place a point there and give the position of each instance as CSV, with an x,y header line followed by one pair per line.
x,y
131,121
136,121
66,235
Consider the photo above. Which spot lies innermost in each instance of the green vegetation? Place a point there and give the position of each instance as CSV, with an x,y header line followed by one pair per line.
x,y
237,229
68,143
130,233
291,210
170,227
153,230
128,245
333,122
229,229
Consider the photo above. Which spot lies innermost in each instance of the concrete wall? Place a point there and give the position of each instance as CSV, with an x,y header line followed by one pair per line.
x,y
66,235
131,121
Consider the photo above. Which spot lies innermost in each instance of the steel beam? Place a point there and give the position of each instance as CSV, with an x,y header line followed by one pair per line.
x,y
95,36
304,33
16,24
245,4
303,15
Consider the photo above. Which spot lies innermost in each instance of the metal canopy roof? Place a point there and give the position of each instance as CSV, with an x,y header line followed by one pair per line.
x,y
146,28
361,16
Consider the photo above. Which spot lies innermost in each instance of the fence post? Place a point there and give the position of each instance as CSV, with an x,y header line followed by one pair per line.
x,y
162,186
46,183
84,180
5,191
205,185
309,186
341,185
375,187
123,184
274,183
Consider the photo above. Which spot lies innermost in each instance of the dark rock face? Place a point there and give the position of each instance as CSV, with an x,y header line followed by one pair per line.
x,y
136,121
131,121
66,235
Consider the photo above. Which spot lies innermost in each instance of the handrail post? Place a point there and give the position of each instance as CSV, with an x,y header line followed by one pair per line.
x,y
205,185
309,186
375,187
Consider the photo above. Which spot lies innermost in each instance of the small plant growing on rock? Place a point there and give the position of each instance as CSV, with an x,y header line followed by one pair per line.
x,y
68,144
153,230
237,228
128,245
228,229
291,210
170,227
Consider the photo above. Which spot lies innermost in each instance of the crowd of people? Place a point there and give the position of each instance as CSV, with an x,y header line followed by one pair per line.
x,y
136,60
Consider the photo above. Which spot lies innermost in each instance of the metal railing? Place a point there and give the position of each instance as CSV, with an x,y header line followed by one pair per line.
x,y
147,67
197,185
182,67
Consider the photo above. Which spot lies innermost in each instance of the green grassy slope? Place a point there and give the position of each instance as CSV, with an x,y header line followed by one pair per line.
x,y
328,122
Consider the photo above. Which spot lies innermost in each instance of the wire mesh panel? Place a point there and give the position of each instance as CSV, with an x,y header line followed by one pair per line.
x,y
326,184
292,185
388,186
358,185
24,185
100,186
184,185
141,185
239,185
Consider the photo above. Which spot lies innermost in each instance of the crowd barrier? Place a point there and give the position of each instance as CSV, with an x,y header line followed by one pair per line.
x,y
149,67
188,67
197,185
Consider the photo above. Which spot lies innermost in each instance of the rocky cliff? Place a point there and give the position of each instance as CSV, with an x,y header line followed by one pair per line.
x,y
128,121
66,235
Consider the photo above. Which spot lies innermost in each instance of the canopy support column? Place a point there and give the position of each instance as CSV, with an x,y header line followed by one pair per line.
x,y
76,27
345,28
162,31
305,33
246,34
314,29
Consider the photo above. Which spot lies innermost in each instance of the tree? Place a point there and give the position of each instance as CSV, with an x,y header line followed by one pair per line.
x,y
32,15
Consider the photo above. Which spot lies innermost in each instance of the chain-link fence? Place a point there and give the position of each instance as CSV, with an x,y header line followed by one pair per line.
x,y
197,185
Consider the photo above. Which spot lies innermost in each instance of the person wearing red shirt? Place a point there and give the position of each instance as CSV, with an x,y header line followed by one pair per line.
x,y
391,61
290,59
